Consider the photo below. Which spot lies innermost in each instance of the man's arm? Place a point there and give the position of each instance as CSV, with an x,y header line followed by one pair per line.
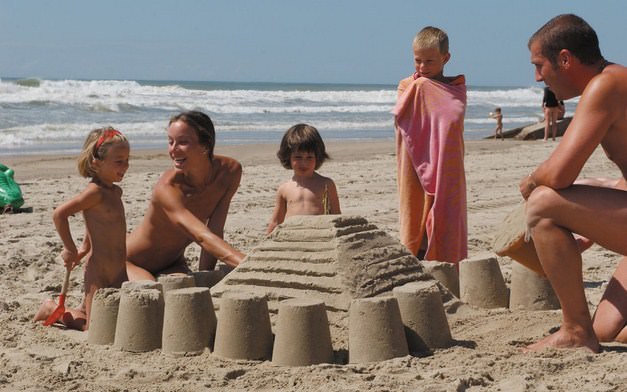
x,y
595,114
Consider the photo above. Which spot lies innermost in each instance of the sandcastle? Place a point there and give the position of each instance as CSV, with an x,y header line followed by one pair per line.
x,y
332,258
314,268
336,281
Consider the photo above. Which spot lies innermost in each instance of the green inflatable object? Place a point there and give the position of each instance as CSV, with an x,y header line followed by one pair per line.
x,y
10,192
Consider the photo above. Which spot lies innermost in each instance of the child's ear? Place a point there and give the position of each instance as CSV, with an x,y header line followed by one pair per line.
x,y
447,57
95,164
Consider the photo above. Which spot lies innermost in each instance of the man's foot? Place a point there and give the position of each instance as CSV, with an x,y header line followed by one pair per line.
x,y
565,339
583,243
45,309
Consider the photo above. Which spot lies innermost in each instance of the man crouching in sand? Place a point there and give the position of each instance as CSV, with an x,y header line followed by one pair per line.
x,y
189,204
566,56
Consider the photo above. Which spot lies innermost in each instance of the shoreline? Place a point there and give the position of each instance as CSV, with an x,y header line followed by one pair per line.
x,y
28,166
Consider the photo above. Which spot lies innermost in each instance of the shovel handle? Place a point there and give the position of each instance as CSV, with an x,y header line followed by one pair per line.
x,y
66,281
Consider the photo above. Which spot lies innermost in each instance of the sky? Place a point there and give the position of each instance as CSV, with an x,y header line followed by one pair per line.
x,y
317,41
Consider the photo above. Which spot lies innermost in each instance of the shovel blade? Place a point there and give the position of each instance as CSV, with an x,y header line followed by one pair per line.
x,y
58,312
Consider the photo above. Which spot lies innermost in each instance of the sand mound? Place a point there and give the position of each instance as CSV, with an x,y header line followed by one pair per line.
x,y
332,258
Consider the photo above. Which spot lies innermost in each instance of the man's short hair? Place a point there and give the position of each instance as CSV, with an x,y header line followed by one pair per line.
x,y
568,31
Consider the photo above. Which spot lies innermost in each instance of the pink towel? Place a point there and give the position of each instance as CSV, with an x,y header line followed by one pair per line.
x,y
429,118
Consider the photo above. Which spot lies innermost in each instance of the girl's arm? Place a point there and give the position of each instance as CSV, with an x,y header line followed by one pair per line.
x,y
280,209
86,247
334,200
86,199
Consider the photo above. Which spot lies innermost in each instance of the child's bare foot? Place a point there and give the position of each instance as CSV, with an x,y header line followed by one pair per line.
x,y
45,309
566,339
69,320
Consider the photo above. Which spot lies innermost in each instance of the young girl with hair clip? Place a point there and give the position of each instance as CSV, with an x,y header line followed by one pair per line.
x,y
104,159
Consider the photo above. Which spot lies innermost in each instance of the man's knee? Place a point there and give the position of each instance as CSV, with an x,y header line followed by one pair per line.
x,y
540,204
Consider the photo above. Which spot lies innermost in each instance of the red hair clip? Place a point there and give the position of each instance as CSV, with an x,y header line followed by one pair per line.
x,y
106,135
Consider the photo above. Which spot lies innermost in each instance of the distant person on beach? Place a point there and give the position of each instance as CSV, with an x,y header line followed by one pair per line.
x,y
566,55
561,110
498,116
306,192
104,159
551,109
429,123
189,204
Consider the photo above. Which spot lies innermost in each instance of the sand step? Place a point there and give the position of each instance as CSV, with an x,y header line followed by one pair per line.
x,y
396,252
324,222
343,231
387,281
311,235
288,267
367,239
313,257
296,246
322,284
304,233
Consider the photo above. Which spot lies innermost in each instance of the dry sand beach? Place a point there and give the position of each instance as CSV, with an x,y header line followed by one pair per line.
x,y
487,352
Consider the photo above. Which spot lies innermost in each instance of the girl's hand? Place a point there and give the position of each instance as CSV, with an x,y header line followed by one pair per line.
x,y
70,258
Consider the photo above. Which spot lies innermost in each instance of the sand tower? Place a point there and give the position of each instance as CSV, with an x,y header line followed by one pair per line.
x,y
331,258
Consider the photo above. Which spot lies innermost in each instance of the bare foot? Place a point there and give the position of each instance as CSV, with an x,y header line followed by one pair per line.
x,y
45,309
583,243
69,320
565,339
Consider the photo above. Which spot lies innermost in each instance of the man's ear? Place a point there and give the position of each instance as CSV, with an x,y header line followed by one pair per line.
x,y
564,58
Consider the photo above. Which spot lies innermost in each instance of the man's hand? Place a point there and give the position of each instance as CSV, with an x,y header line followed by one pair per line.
x,y
527,185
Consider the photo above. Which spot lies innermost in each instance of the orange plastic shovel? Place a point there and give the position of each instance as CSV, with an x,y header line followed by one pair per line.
x,y
60,309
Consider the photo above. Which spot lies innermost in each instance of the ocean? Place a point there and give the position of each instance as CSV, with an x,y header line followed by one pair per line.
x,y
54,116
